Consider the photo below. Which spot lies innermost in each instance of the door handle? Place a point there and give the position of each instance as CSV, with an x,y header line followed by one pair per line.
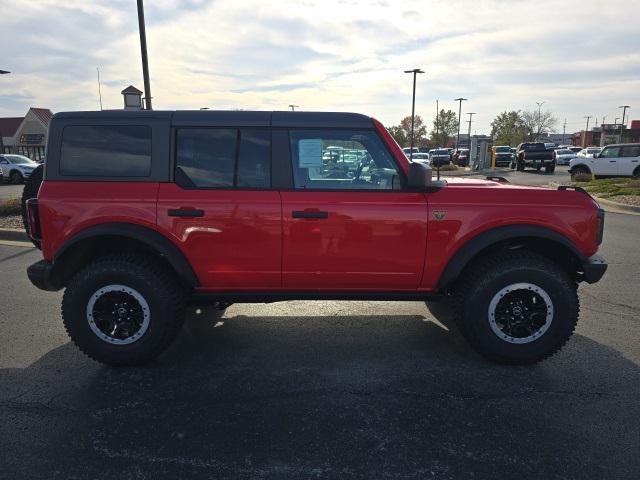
x,y
612,161
185,212
309,214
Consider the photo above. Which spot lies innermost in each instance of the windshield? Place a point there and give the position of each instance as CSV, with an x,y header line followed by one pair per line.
x,y
18,159
564,152
532,147
593,150
503,149
441,152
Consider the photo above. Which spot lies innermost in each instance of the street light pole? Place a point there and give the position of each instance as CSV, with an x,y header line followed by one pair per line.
x,y
437,123
471,114
539,116
4,72
459,113
415,71
624,110
145,59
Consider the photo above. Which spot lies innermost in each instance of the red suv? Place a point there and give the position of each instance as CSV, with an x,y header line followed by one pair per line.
x,y
142,213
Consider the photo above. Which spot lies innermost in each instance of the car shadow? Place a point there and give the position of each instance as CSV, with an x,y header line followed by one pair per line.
x,y
322,397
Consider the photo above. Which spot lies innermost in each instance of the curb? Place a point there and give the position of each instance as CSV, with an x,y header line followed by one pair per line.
x,y
620,207
14,235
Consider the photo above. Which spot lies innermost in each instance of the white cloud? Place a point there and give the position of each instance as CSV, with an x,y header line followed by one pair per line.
x,y
579,56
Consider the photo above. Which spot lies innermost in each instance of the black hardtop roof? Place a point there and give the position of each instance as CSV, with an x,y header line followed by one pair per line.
x,y
237,118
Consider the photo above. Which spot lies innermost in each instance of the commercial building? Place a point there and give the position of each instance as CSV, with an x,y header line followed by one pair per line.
x,y
607,134
26,135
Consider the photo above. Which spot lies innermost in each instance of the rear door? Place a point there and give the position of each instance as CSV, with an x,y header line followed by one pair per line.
x,y
347,223
221,210
629,160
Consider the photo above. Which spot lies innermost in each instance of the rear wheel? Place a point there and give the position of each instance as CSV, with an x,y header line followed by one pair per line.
x,y
123,309
549,169
636,173
30,190
517,307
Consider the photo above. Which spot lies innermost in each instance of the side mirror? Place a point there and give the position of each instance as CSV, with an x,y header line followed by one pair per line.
x,y
419,176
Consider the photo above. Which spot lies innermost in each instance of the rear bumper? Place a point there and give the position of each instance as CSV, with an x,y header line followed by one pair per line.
x,y
594,268
41,275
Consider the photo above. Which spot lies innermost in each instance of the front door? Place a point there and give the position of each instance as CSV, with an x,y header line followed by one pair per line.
x,y
606,163
347,224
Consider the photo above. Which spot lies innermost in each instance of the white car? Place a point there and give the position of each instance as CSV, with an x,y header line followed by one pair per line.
x,y
407,151
16,168
421,157
621,160
564,156
588,152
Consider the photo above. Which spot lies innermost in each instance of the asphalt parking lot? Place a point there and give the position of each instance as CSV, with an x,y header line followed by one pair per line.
x,y
324,390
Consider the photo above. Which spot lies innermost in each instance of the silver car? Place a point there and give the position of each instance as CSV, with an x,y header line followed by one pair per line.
x,y
564,156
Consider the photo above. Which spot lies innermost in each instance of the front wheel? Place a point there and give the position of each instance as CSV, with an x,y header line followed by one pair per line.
x,y
517,307
15,178
123,309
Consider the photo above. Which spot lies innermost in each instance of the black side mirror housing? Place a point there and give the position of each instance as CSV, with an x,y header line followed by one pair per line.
x,y
419,176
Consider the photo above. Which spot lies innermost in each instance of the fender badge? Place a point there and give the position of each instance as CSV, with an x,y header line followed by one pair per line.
x,y
439,214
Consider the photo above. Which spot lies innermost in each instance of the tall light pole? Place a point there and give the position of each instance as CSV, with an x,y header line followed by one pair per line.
x,y
459,113
624,110
293,107
437,122
539,116
2,72
415,72
145,59
584,138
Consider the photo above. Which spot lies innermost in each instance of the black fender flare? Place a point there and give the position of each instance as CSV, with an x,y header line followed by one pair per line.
x,y
486,239
154,239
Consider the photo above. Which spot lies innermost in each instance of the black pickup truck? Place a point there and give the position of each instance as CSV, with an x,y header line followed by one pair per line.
x,y
535,155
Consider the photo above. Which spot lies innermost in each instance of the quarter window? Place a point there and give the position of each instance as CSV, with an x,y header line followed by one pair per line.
x,y
631,151
341,160
106,151
223,158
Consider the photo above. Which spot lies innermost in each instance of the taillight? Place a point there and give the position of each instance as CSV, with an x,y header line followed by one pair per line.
x,y
600,232
554,154
33,217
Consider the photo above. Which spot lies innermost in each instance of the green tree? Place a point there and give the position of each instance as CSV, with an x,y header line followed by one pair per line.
x,y
445,127
509,128
402,132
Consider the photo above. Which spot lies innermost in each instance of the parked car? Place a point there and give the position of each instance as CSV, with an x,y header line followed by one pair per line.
x,y
503,156
16,168
462,157
535,155
407,151
574,149
421,157
588,152
216,207
564,156
621,160
440,156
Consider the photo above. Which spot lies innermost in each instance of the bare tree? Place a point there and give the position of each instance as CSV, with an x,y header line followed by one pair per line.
x,y
538,123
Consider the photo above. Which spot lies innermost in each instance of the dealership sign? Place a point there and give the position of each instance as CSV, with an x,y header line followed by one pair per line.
x,y
32,139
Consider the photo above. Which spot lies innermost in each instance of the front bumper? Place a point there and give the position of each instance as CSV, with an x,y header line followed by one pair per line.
x,y
41,275
594,268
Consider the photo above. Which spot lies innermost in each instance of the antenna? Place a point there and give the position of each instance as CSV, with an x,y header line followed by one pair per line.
x,y
99,90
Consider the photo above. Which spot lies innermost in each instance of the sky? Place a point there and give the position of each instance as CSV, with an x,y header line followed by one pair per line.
x,y
580,57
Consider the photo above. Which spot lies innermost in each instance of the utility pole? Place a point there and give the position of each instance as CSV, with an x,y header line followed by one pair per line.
x,y
145,59
460,100
539,116
99,90
584,137
293,107
471,114
415,71
564,129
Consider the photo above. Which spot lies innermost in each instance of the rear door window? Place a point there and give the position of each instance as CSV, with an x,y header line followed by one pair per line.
x,y
106,151
223,158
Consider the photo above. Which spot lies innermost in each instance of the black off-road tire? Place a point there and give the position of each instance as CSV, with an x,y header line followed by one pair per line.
x,y
486,278
636,173
550,169
155,283
30,190
578,171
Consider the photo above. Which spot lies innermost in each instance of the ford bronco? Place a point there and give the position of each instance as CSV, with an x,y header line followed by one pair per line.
x,y
140,214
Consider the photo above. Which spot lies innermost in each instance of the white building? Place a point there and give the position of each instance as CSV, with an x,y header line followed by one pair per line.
x,y
26,135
